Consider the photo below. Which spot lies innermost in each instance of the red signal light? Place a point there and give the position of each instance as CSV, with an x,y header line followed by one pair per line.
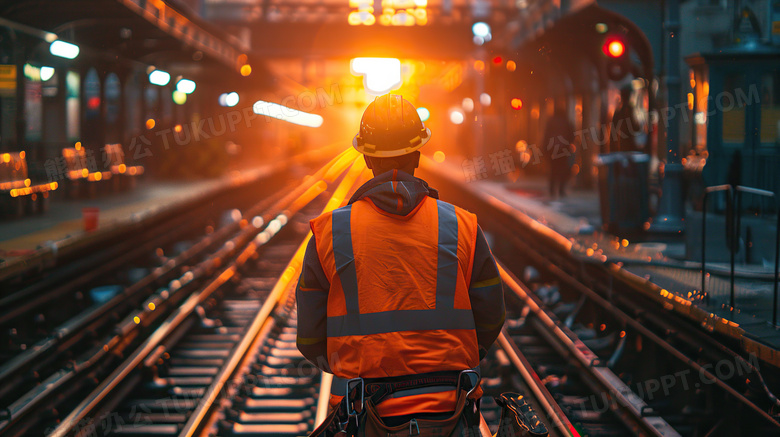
x,y
517,104
93,102
498,60
614,48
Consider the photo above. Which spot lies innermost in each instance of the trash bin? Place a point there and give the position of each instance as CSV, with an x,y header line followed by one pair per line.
x,y
623,190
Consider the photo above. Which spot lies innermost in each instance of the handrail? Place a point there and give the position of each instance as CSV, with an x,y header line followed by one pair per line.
x,y
733,232
764,193
729,222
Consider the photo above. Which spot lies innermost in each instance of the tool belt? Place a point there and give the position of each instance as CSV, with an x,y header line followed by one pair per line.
x,y
356,416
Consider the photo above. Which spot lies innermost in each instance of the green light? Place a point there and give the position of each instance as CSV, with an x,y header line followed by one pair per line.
x,y
424,113
179,97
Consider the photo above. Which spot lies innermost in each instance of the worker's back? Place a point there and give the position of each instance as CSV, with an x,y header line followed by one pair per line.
x,y
399,266
399,291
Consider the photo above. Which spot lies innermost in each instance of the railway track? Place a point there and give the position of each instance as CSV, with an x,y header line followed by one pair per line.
x,y
580,394
174,380
79,327
71,359
182,368
642,366
74,320
222,360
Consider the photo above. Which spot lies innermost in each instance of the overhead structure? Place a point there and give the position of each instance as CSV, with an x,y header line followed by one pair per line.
x,y
133,29
434,29
223,47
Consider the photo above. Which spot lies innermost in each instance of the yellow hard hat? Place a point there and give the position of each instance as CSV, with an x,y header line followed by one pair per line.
x,y
390,127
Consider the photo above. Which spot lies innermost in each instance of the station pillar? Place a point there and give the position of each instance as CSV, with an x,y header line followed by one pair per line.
x,y
671,209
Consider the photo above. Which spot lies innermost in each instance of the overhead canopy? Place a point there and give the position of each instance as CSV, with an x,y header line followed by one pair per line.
x,y
570,49
430,29
132,29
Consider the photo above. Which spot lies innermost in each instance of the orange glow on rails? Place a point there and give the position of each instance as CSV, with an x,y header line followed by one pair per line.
x,y
340,194
304,199
185,309
346,159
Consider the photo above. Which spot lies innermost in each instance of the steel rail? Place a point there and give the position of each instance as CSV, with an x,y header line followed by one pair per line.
x,y
311,184
23,361
581,288
484,430
278,294
323,399
630,403
558,245
38,294
554,412
130,327
165,330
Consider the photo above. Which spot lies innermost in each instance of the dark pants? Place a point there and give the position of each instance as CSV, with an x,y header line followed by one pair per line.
x,y
559,176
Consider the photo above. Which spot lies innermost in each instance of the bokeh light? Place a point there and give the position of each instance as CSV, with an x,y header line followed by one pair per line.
x,y
424,113
457,117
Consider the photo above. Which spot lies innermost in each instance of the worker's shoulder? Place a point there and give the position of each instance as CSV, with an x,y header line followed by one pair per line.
x,y
327,216
321,219
461,212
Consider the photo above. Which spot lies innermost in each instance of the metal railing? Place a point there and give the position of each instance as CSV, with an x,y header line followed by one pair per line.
x,y
733,231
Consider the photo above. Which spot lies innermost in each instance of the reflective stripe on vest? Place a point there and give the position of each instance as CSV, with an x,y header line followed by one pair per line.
x,y
338,387
344,258
447,269
444,316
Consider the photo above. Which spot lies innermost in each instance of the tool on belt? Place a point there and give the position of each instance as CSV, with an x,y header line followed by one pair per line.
x,y
518,419
356,415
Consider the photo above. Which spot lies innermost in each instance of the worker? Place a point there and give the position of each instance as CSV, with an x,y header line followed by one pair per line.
x,y
626,130
399,288
558,137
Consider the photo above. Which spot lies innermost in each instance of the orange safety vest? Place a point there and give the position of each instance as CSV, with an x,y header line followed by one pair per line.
x,y
398,302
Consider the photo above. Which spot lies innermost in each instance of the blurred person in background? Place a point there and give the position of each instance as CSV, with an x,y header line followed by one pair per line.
x,y
558,139
625,127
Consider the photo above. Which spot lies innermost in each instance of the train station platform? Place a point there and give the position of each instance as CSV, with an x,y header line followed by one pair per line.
x,y
40,239
657,268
